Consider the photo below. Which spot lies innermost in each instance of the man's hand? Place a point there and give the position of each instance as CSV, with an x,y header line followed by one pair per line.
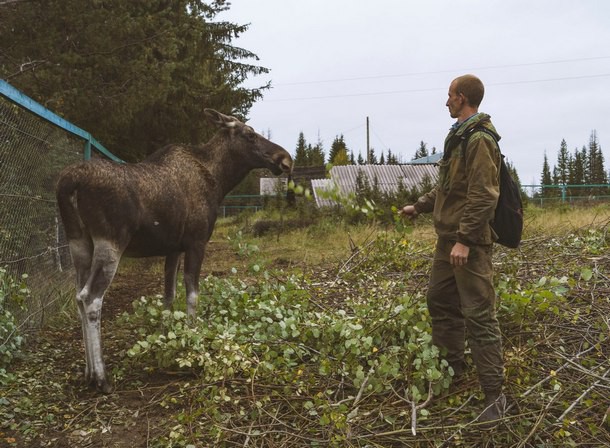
x,y
408,211
459,255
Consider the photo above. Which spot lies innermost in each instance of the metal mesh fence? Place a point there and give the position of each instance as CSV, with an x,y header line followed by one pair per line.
x,y
562,195
32,152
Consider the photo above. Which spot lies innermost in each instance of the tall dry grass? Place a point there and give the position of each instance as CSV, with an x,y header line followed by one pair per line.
x,y
558,220
329,240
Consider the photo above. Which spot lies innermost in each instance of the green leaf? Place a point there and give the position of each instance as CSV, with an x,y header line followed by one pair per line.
x,y
586,274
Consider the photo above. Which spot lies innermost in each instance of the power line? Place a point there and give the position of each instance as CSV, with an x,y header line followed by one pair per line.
x,y
404,75
434,89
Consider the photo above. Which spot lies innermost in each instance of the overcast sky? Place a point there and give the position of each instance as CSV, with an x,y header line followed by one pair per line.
x,y
545,65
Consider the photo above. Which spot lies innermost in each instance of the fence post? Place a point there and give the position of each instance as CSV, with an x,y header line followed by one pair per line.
x,y
87,151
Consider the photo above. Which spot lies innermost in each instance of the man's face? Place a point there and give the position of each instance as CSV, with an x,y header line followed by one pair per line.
x,y
455,102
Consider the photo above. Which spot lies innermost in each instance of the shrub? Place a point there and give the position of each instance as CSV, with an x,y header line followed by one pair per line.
x,y
274,330
12,295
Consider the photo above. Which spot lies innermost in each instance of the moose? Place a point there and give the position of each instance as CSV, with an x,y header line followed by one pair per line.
x,y
166,205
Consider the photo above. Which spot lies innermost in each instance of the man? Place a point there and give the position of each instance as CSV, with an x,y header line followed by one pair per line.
x,y
461,297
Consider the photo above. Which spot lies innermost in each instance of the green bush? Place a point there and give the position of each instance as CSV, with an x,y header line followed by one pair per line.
x,y
12,296
274,330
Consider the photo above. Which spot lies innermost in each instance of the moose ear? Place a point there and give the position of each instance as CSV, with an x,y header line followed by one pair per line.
x,y
219,119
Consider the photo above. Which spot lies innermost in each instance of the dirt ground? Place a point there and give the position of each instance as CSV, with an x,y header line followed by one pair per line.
x,y
144,277
53,364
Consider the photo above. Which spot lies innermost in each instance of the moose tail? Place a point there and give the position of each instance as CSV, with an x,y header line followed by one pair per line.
x,y
67,202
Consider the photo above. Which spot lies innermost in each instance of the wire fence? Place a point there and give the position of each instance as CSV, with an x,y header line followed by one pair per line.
x,y
35,145
551,195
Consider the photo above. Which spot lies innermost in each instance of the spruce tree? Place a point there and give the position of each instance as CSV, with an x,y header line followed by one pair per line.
x,y
301,155
422,151
372,160
563,164
338,151
316,154
596,166
136,75
545,178
597,171
578,168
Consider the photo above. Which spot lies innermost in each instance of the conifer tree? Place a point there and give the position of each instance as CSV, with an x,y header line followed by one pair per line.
x,y
422,151
316,155
597,172
545,178
301,155
578,167
136,75
372,160
338,152
563,164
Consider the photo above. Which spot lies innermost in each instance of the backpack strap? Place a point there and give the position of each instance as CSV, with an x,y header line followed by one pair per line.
x,y
478,128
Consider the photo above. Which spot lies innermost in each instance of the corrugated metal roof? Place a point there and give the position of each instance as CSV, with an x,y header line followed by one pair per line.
x,y
388,176
319,185
432,158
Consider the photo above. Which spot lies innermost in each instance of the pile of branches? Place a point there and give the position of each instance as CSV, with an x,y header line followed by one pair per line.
x,y
554,308
554,305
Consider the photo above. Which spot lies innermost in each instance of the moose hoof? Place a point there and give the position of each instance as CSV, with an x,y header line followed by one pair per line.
x,y
105,388
99,384
102,386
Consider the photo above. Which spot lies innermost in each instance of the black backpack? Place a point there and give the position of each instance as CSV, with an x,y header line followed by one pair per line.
x,y
508,218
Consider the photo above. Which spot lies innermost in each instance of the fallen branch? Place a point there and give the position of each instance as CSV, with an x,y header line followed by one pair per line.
x,y
415,407
579,399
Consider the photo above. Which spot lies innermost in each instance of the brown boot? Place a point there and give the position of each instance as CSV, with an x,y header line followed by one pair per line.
x,y
492,415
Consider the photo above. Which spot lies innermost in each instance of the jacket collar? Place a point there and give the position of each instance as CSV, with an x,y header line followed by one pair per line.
x,y
460,128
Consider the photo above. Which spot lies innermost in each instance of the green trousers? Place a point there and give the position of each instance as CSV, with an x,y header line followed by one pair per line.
x,y
462,303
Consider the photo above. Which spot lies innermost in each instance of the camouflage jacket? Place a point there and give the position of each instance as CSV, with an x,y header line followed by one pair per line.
x,y
465,197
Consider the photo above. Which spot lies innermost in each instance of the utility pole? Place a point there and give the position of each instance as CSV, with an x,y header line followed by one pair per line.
x,y
368,146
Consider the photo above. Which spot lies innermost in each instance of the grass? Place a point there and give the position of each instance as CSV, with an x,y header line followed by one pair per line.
x,y
558,219
327,241
331,240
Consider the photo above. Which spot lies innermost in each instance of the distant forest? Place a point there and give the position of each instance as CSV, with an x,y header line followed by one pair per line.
x,y
307,154
583,166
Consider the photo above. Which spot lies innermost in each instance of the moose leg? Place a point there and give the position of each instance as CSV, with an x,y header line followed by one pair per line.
x,y
90,299
81,251
193,258
171,272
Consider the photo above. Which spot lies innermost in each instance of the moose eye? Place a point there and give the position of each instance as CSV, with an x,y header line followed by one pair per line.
x,y
250,134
